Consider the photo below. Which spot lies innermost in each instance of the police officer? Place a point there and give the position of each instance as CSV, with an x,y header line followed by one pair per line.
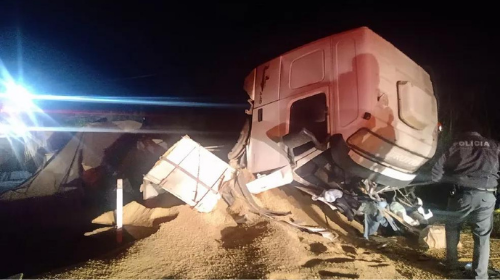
x,y
471,164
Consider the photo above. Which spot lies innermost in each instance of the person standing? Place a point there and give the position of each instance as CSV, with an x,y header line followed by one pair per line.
x,y
471,164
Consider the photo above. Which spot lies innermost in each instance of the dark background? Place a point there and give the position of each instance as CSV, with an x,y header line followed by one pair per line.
x,y
203,51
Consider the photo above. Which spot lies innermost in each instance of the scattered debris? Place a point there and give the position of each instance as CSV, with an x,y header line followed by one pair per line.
x,y
161,143
324,232
329,195
399,210
12,179
213,148
97,144
427,215
54,177
190,172
153,146
84,150
276,179
433,237
312,193
376,215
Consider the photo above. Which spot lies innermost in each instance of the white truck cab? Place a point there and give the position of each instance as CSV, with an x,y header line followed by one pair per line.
x,y
351,95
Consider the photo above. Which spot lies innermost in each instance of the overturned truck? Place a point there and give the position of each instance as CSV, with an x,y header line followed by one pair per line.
x,y
347,119
345,111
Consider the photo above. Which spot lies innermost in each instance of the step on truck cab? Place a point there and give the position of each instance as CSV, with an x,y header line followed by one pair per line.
x,y
353,96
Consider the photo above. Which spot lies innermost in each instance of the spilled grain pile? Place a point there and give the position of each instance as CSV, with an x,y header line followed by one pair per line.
x,y
214,245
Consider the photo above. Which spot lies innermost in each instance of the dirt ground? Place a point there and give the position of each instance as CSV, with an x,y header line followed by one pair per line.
x,y
214,245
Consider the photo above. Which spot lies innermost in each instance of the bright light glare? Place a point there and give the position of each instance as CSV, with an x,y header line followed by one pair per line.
x,y
16,98
18,128
4,130
14,127
17,110
15,101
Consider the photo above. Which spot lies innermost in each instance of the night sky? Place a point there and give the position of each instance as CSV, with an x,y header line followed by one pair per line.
x,y
204,51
